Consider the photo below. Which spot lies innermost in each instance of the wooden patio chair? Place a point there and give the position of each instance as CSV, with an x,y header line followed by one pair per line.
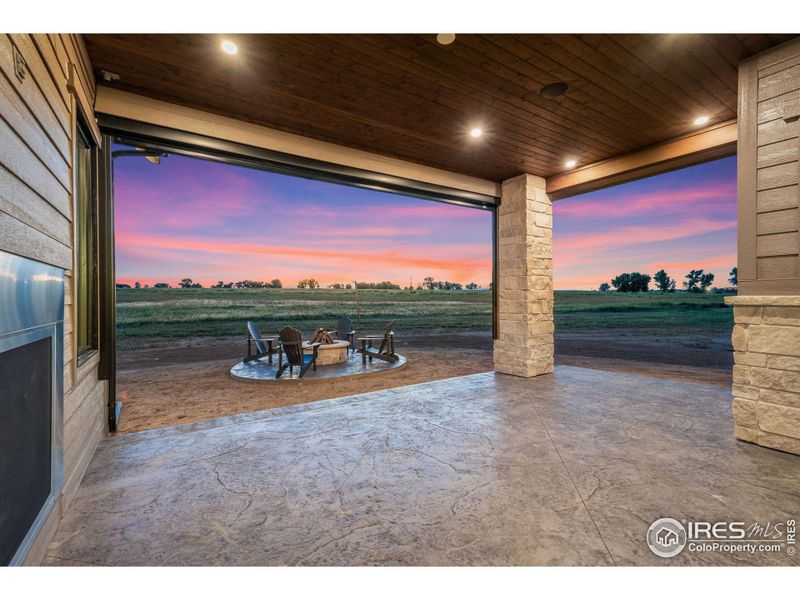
x,y
291,348
386,349
264,345
344,331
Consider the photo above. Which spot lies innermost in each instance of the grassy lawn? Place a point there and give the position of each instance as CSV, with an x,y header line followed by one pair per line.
x,y
597,310
147,313
193,312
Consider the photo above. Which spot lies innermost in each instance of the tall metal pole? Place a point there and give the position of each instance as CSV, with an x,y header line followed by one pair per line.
x,y
358,304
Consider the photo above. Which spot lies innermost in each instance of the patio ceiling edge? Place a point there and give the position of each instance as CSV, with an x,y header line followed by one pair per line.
x,y
710,143
133,107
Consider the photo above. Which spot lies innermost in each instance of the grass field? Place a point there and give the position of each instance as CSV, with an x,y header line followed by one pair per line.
x,y
164,313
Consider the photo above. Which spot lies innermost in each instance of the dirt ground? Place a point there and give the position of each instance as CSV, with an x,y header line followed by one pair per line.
x,y
173,382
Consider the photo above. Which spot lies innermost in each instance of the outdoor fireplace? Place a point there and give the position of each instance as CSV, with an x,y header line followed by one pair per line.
x,y
331,352
31,402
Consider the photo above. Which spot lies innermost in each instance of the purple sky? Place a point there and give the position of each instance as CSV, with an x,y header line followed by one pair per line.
x,y
676,221
211,222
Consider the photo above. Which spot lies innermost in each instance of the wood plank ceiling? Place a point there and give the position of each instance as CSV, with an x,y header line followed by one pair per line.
x,y
409,97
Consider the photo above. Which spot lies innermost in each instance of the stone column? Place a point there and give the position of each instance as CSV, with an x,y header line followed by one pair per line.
x,y
766,372
524,344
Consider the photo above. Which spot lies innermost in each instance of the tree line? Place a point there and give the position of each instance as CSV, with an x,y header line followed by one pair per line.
x,y
187,283
695,281
428,283
239,285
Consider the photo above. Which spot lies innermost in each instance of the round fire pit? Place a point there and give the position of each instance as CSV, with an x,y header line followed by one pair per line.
x,y
330,354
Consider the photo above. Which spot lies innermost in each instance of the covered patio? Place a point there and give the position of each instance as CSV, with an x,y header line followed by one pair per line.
x,y
529,464
567,468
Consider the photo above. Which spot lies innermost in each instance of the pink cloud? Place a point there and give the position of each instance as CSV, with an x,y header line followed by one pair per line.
x,y
431,210
627,204
720,265
640,234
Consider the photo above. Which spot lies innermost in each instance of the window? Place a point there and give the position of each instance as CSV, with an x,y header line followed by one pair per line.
x,y
85,244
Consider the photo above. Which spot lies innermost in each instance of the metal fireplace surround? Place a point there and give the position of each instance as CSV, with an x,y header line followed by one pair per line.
x,y
32,309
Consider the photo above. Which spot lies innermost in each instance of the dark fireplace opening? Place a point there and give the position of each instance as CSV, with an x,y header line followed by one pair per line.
x,y
26,414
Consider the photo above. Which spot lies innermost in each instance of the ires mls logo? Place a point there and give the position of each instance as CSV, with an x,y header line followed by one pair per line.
x,y
668,537
701,530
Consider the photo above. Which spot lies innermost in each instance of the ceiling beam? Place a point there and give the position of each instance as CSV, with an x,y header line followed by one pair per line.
x,y
697,147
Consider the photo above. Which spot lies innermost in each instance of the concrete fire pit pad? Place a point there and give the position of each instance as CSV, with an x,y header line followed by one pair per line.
x,y
261,370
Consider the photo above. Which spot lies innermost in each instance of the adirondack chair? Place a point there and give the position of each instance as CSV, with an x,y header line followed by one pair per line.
x,y
344,331
290,347
386,349
264,345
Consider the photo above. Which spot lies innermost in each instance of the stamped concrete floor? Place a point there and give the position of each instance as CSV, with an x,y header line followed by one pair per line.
x,y
565,469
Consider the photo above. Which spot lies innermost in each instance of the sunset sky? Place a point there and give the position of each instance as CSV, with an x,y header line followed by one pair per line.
x,y
211,222
677,221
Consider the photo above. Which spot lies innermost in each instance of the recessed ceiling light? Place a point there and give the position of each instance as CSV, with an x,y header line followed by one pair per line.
x,y
554,90
476,132
229,47
570,163
445,39
701,120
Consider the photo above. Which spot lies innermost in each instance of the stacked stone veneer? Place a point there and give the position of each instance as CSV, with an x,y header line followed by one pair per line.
x,y
766,372
524,344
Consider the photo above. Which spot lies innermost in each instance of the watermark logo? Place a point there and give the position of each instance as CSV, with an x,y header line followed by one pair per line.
x,y
666,537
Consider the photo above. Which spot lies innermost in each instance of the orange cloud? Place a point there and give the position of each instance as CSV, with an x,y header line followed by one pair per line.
x,y
638,234
456,262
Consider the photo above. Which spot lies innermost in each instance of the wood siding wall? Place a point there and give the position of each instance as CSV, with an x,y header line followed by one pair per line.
x,y
37,128
769,172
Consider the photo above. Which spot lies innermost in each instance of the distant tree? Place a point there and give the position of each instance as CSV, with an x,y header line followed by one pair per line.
x,y
249,284
185,283
692,280
197,285
472,286
381,285
218,285
123,286
631,282
430,284
664,282
604,287
310,284
640,282
622,282
137,285
275,283
336,286
161,285
698,281
734,276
